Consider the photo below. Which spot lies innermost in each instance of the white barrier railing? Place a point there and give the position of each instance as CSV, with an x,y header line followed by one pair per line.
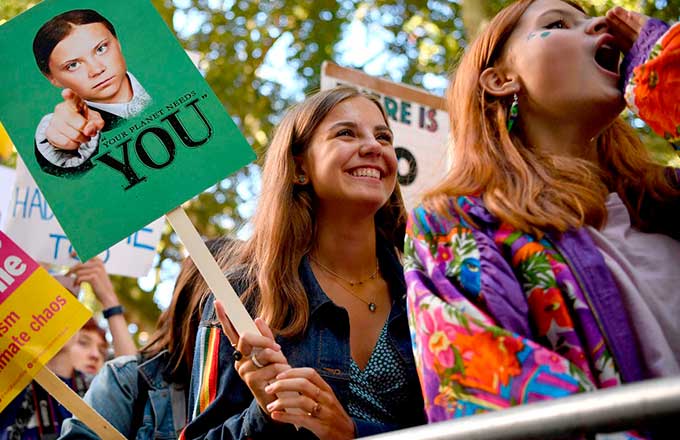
x,y
640,406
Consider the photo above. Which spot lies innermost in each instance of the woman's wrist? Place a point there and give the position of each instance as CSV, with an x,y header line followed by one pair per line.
x,y
113,311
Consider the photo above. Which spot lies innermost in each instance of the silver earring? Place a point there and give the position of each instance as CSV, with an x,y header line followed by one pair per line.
x,y
302,179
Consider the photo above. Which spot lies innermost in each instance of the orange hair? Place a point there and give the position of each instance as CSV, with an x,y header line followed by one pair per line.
x,y
527,188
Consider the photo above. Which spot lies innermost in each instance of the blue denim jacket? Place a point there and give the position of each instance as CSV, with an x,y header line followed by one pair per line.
x,y
113,393
324,346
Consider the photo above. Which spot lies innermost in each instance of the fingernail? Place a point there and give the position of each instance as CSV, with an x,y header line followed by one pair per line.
x,y
270,406
268,388
277,346
281,375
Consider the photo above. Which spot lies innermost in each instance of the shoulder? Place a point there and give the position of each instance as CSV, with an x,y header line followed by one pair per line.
x,y
126,361
426,224
121,370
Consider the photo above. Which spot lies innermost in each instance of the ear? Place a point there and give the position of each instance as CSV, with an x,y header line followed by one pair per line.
x,y
300,169
54,81
495,82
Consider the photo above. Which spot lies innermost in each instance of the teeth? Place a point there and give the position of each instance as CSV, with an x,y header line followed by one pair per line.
x,y
366,172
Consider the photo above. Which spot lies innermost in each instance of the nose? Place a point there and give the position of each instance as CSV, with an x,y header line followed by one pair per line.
x,y
95,68
371,147
597,25
95,354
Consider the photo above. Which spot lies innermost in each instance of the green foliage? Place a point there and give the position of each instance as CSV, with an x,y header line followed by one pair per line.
x,y
237,42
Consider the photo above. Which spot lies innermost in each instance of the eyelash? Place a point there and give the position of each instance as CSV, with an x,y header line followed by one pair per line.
x,y
381,136
560,21
385,136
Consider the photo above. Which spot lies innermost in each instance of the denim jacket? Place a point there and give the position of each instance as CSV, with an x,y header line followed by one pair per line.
x,y
235,414
113,393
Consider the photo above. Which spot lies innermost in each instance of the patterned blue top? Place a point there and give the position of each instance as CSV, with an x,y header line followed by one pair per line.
x,y
378,390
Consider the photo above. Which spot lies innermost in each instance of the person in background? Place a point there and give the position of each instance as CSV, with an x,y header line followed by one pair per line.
x,y
94,273
144,396
76,363
546,262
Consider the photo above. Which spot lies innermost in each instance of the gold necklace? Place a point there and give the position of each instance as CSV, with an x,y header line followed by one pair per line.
x,y
351,283
372,307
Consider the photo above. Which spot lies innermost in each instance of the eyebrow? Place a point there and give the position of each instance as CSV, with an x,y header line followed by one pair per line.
x,y
351,124
69,61
573,12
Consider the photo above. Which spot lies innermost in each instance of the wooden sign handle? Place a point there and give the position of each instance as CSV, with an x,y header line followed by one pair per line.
x,y
76,405
211,271
214,277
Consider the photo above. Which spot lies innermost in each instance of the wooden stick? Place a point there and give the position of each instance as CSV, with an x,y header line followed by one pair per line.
x,y
211,271
214,277
76,405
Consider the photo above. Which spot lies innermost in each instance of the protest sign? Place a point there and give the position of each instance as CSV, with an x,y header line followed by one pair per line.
x,y
150,133
163,134
33,226
418,119
7,176
5,142
37,317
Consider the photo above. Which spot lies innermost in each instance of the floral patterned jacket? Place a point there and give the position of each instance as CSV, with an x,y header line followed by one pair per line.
x,y
499,318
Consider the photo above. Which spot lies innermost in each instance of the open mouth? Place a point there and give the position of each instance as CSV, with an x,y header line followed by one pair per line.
x,y
608,58
366,172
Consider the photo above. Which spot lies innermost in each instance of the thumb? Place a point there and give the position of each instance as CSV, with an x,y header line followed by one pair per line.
x,y
263,328
227,328
95,123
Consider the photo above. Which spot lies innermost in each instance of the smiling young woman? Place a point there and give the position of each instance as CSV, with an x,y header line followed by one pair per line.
x,y
322,273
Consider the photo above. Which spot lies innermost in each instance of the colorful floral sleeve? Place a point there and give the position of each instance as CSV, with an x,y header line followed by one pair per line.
x,y
468,362
652,75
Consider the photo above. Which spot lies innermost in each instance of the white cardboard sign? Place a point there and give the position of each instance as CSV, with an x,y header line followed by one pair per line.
x,y
6,183
32,225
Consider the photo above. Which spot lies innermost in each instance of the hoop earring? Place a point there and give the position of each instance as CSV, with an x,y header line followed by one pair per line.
x,y
302,179
513,112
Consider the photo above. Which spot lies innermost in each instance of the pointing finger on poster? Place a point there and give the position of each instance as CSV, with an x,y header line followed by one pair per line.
x,y
73,122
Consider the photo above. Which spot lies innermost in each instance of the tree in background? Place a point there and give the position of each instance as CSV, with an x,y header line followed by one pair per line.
x,y
262,56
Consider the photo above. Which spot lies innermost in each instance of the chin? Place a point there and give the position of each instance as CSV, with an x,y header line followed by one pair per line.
x,y
372,204
605,110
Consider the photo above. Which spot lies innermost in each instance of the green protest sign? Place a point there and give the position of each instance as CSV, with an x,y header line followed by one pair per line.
x,y
112,119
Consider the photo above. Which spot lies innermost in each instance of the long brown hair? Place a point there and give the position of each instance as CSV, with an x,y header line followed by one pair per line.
x,y
522,186
284,227
177,326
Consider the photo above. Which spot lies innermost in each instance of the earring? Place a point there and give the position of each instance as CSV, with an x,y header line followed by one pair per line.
x,y
513,113
302,179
